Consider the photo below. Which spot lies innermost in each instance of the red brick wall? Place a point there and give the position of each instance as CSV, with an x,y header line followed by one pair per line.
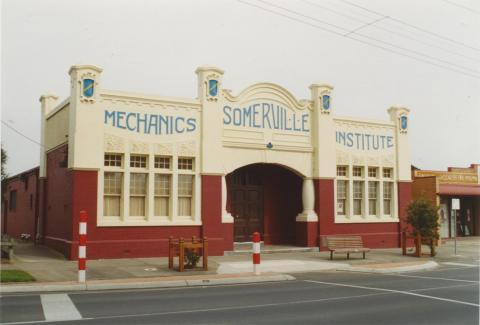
x,y
57,218
374,235
22,219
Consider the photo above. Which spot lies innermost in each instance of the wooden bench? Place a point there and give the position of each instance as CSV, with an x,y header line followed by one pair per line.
x,y
7,248
346,244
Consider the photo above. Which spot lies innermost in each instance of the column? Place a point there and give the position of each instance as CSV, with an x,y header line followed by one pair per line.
x,y
226,216
307,221
308,200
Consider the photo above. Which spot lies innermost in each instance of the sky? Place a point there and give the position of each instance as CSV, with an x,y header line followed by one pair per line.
x,y
424,55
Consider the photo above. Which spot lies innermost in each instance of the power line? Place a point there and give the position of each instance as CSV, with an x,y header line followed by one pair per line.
x,y
462,6
411,26
20,133
365,36
389,30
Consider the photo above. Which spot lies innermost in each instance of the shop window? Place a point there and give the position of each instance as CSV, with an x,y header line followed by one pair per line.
x,y
357,197
372,172
185,163
138,161
13,200
341,197
138,191
185,195
112,160
372,197
387,198
162,162
357,171
387,173
162,194
342,171
112,193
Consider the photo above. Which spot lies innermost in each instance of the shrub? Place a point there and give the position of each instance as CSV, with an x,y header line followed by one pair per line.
x,y
422,216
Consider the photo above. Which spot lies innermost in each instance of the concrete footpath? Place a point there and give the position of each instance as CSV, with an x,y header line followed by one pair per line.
x,y
54,273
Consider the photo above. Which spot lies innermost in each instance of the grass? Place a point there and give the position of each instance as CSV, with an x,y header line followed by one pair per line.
x,y
15,276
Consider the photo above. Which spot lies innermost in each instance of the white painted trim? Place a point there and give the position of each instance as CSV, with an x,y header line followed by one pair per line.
x,y
82,228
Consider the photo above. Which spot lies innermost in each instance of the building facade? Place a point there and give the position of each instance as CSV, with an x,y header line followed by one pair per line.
x,y
20,214
222,165
440,187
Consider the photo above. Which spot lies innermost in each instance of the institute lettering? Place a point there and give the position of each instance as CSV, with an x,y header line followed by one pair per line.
x,y
364,141
266,116
150,123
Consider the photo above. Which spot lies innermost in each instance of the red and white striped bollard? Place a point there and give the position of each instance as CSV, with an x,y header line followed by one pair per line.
x,y
256,252
82,247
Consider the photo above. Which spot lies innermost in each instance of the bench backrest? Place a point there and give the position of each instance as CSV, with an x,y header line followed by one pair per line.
x,y
344,242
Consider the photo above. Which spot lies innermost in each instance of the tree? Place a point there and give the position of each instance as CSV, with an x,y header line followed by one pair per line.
x,y
4,162
422,216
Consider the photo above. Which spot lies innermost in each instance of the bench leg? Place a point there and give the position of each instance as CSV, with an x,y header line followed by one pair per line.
x,y
348,256
363,255
331,255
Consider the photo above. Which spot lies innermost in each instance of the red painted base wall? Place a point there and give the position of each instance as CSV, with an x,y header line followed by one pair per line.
x,y
374,235
125,242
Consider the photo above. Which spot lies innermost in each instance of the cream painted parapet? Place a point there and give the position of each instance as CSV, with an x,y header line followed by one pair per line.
x,y
308,200
85,119
209,92
399,116
48,103
323,131
226,216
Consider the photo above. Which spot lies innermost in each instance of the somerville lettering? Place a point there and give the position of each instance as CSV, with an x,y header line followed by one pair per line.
x,y
266,116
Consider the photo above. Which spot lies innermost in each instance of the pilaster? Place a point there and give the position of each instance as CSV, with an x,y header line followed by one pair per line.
x,y
48,103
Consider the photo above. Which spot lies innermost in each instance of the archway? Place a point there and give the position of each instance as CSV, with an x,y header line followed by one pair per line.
x,y
264,198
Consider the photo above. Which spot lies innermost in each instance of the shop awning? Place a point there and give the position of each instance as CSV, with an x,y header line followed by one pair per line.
x,y
457,189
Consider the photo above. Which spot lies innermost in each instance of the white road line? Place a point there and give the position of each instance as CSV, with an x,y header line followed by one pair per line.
x,y
458,264
395,291
432,278
59,307
190,311
444,287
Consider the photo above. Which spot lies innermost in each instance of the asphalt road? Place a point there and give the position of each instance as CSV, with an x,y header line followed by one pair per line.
x,y
446,295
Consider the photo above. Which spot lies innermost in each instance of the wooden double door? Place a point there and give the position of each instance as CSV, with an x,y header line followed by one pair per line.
x,y
246,205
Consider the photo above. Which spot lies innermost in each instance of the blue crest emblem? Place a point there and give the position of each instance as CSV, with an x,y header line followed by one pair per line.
x,y
326,102
269,145
212,87
88,87
403,122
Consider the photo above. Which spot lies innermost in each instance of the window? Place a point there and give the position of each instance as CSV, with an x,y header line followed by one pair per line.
x,y
357,197
162,162
138,191
138,161
185,163
13,200
112,193
112,160
341,197
162,195
387,198
372,172
357,171
341,170
372,198
185,194
387,173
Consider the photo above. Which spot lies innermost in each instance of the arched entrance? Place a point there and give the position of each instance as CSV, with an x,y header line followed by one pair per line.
x,y
264,198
